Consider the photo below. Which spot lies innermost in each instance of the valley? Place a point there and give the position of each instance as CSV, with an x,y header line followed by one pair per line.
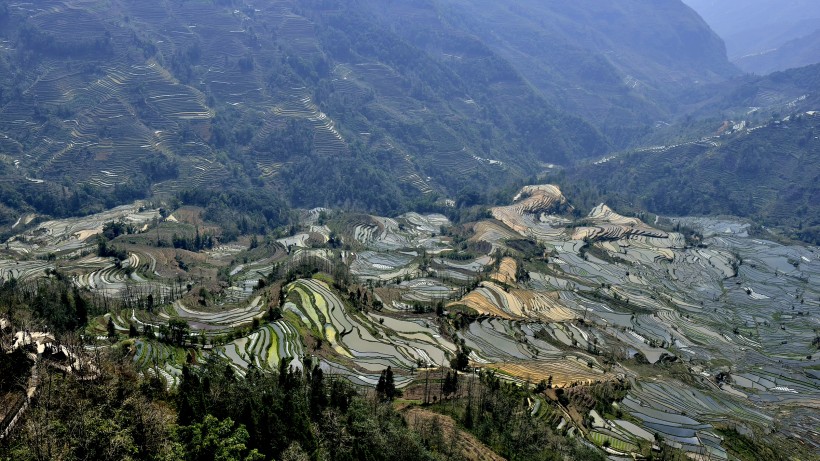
x,y
710,327
408,230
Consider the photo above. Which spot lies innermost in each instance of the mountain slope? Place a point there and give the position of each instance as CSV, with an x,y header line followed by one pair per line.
x,y
799,52
769,173
285,95
364,104
757,31
617,64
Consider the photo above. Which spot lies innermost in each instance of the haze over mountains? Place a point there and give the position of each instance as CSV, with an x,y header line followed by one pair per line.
x,y
764,36
408,230
620,66
390,104
418,97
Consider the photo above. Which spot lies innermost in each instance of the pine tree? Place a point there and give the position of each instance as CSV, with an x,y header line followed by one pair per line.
x,y
386,387
468,416
447,389
381,386
112,330
390,385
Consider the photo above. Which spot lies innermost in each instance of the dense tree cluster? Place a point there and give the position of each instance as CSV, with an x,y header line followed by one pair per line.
x,y
54,302
322,416
197,243
239,212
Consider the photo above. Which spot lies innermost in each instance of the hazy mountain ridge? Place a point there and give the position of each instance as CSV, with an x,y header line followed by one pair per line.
x,y
156,97
769,173
617,65
392,229
233,93
795,53
763,36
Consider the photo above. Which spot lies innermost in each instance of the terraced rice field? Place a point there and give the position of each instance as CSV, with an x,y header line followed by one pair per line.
x,y
735,305
297,103
492,299
154,357
645,290
684,417
492,232
383,266
610,225
427,290
460,271
506,272
616,443
563,372
411,230
63,236
371,342
496,340
23,270
265,347
225,320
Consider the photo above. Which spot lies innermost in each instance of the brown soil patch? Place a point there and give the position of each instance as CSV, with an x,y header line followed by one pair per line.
x,y
545,306
84,234
491,231
464,443
189,214
506,271
388,294
478,302
563,372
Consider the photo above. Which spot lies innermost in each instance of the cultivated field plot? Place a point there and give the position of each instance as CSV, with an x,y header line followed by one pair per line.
x,y
611,226
265,348
684,416
156,358
427,290
69,245
563,372
491,299
23,270
532,294
733,300
460,271
128,280
383,265
64,236
408,231
371,342
223,320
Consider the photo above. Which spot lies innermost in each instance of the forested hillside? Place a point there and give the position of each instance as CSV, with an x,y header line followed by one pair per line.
x,y
156,97
384,104
619,65
769,173
314,230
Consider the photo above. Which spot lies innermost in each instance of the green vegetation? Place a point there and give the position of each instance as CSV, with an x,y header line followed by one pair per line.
x,y
14,371
342,131
51,302
751,445
251,305
731,177
295,330
497,413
